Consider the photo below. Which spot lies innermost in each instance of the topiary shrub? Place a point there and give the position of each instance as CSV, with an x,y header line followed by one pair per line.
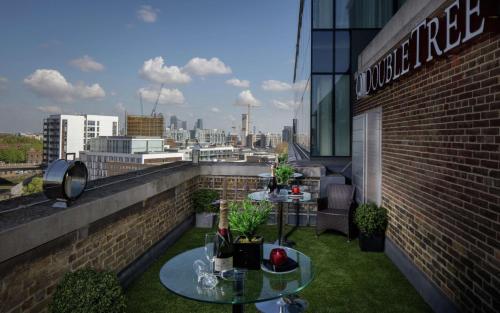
x,y
371,219
202,200
88,291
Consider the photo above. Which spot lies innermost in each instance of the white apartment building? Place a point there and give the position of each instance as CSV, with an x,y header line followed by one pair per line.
x,y
211,153
210,136
64,135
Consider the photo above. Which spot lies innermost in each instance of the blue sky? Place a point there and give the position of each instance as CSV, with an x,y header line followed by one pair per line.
x,y
96,57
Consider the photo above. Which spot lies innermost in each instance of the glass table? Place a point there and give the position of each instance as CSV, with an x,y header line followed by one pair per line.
x,y
178,276
283,197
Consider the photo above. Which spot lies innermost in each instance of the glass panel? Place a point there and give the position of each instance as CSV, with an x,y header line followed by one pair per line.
x,y
342,50
322,14
342,115
321,115
362,13
360,39
322,51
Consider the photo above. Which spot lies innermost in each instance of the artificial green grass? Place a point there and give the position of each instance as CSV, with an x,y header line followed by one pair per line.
x,y
347,280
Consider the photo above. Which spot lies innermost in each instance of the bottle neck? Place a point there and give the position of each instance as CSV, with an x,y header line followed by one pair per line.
x,y
223,221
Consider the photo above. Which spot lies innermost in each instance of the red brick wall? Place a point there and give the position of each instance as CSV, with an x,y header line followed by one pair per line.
x,y
441,171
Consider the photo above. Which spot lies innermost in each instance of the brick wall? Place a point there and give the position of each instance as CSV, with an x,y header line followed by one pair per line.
x,y
29,280
441,171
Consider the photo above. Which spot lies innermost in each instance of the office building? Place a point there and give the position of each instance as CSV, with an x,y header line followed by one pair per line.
x,y
64,136
273,140
198,124
184,125
331,34
115,155
211,153
244,128
143,125
178,135
174,122
210,136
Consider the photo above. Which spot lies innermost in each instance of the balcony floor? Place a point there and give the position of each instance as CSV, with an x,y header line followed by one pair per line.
x,y
347,280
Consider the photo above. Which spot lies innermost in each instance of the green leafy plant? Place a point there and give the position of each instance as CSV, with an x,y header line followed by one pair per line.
x,y
88,291
36,185
245,216
283,158
203,199
371,219
283,173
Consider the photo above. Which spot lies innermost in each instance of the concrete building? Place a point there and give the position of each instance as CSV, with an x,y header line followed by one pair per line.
x,y
66,135
210,136
143,125
115,155
174,122
273,140
178,135
211,153
244,128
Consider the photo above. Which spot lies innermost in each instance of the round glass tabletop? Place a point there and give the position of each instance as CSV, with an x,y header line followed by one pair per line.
x,y
283,196
178,276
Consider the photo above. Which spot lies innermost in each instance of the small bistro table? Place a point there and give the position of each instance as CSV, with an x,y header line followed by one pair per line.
x,y
280,199
256,286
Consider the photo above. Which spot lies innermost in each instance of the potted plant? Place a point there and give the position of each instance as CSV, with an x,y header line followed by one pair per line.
x,y
372,223
244,218
88,290
203,200
283,174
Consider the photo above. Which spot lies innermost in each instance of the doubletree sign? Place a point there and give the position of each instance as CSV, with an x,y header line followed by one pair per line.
x,y
457,25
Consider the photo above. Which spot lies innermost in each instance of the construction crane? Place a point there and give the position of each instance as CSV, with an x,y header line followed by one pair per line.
x,y
142,106
153,113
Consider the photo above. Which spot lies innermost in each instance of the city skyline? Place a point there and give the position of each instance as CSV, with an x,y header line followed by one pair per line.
x,y
83,60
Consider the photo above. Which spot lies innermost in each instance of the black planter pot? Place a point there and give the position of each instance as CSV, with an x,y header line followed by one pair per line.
x,y
371,243
248,254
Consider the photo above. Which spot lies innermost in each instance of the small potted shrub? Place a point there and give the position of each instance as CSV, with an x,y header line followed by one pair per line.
x,y
244,218
203,206
372,223
283,174
88,291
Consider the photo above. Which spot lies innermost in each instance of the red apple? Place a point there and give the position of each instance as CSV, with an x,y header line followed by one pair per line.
x,y
278,256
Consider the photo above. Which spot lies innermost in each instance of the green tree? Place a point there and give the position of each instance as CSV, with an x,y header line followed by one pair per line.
x,y
12,155
36,185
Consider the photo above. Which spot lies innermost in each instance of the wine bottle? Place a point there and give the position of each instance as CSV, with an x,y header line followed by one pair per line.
x,y
272,181
223,245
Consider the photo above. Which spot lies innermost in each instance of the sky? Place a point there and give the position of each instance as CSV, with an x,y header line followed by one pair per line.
x,y
102,57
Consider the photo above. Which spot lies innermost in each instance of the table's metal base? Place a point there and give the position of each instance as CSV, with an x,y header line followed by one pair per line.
x,y
291,304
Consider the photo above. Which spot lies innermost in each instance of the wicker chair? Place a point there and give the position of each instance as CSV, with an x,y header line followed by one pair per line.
x,y
335,210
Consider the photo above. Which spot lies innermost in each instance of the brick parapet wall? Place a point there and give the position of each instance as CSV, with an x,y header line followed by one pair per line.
x,y
441,171
28,281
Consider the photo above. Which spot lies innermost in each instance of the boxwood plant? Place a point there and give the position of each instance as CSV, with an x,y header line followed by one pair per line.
x,y
202,200
371,219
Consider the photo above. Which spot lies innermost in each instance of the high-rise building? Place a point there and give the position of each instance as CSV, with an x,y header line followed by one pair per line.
x,y
143,125
286,134
198,124
273,140
244,128
174,122
331,34
64,136
184,125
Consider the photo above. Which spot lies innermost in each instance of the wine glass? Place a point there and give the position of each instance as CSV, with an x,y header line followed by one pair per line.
x,y
209,249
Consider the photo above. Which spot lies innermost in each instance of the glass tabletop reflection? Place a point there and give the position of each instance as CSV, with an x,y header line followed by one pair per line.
x,y
283,196
178,276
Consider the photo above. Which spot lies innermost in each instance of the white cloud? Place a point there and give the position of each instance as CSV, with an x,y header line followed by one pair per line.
x,y
246,98
215,110
168,96
300,85
156,71
238,83
275,85
203,67
119,107
147,13
52,84
52,109
284,104
87,64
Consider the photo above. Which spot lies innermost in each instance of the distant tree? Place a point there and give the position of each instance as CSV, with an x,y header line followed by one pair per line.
x,y
281,148
12,155
36,185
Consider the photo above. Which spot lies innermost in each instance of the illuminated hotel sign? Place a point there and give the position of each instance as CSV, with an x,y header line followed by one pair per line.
x,y
459,23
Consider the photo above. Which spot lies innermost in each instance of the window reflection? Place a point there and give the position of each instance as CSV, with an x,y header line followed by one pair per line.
x,y
321,115
342,115
342,51
322,14
322,51
362,13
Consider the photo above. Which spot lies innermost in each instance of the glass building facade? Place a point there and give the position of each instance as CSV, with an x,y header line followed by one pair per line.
x,y
331,35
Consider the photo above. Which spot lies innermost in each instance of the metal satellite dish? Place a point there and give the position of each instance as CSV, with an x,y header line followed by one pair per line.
x,y
65,180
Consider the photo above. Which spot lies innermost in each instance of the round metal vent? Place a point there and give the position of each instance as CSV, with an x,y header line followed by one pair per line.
x,y
65,179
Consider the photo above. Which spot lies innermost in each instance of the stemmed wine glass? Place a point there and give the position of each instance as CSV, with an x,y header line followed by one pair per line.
x,y
209,249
